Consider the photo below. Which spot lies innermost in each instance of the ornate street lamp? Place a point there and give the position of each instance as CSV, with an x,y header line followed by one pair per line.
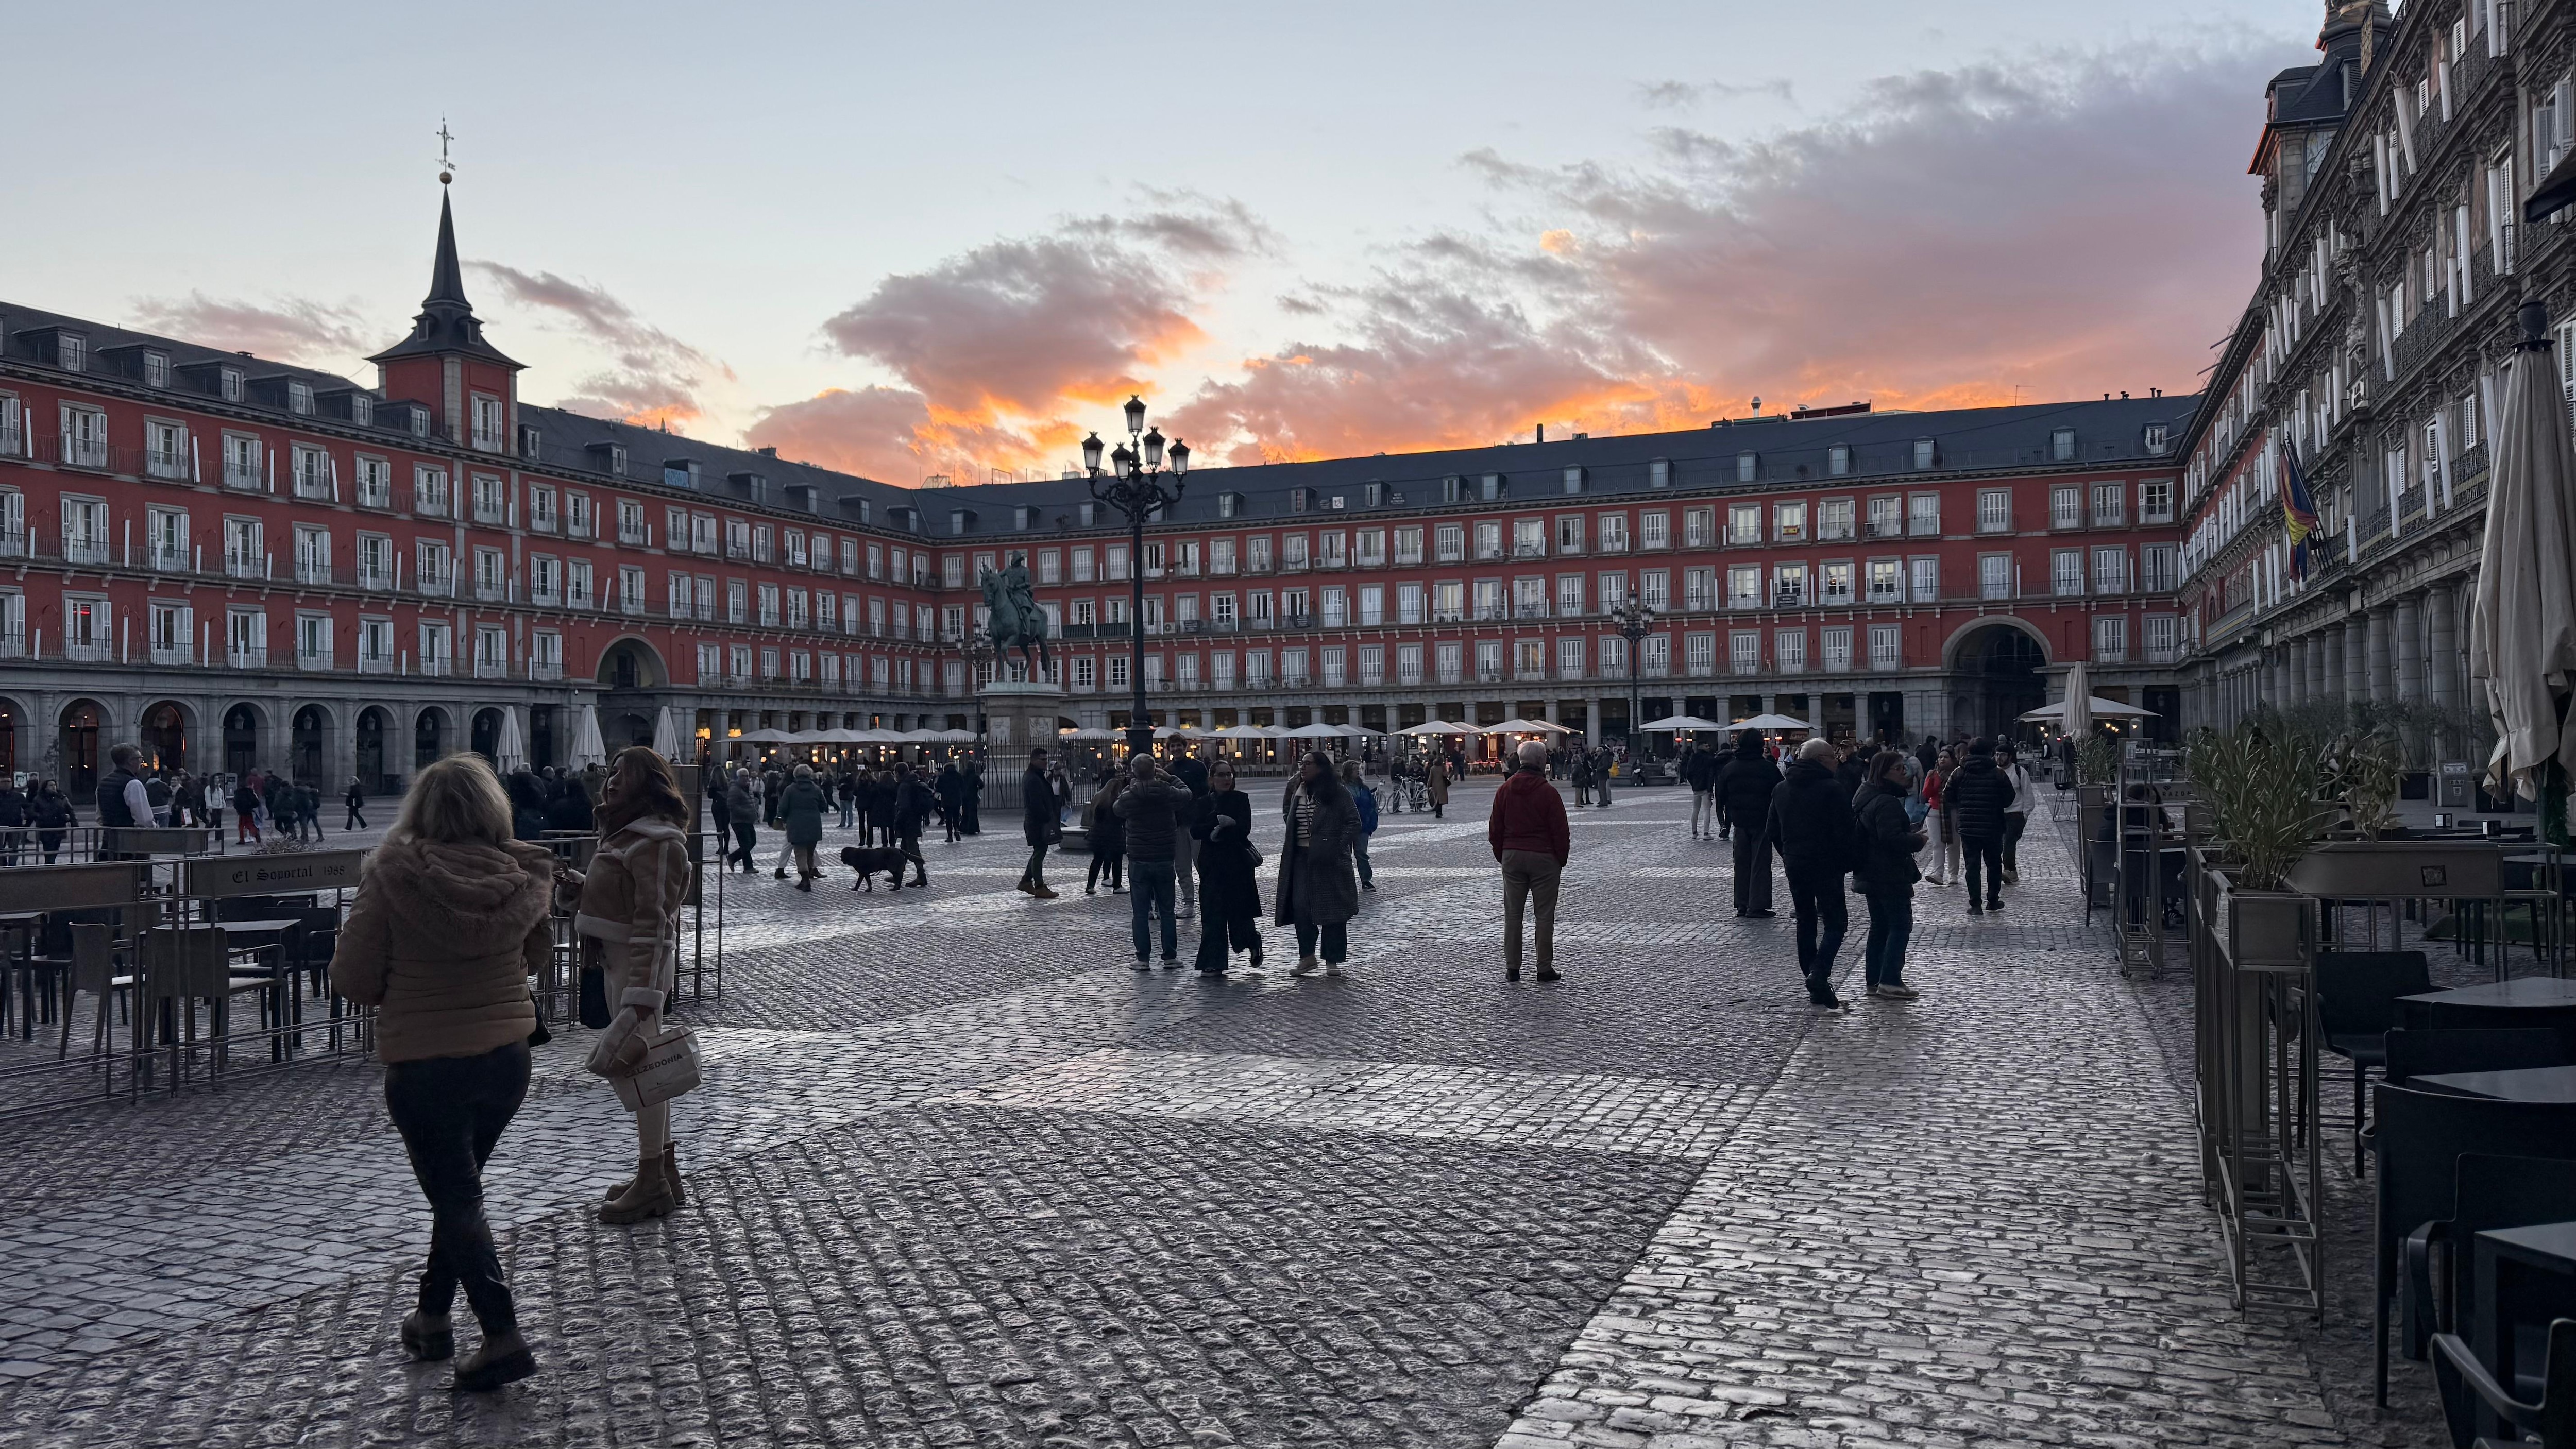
x,y
976,648
1133,484
1634,621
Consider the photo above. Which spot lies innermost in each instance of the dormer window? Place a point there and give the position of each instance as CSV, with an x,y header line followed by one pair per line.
x,y
1023,518
1453,489
528,441
1573,480
1299,499
609,458
1659,473
2156,439
362,409
2061,446
71,351
299,398
1926,453
156,369
1227,504
1838,459
1491,486
1748,467
419,421
228,384
1372,494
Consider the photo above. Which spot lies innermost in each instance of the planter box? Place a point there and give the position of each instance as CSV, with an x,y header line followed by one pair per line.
x,y
2264,930
2387,870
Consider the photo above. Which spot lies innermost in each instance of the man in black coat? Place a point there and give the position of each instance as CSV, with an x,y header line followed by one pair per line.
x,y
1811,822
1975,796
1744,786
1038,824
1699,771
913,805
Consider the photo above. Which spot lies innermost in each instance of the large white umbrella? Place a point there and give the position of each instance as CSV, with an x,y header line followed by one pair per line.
x,y
1674,723
1437,727
1765,723
1243,732
2101,709
1524,727
957,737
666,735
587,749
512,752
1092,733
1318,731
767,737
2078,703
2522,627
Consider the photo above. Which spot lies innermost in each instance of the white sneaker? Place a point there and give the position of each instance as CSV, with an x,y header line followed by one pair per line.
x,y
1899,993
1305,966
1332,968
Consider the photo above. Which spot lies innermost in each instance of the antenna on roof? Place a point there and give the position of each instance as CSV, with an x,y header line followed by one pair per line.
x,y
446,167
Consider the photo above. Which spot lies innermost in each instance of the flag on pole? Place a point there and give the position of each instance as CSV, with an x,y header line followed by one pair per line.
x,y
2298,511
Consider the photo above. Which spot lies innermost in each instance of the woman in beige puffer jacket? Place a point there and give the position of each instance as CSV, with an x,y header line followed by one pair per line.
x,y
629,913
449,923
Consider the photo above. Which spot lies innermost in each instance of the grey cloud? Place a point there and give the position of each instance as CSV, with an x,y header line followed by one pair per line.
x,y
297,330
648,374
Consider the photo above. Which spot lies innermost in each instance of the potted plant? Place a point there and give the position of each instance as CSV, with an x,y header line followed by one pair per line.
x,y
2260,788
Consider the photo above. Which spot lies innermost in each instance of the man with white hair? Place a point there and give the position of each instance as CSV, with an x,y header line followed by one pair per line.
x,y
1811,824
1529,837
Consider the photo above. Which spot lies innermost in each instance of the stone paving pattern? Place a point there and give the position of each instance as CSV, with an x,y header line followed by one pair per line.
x,y
959,1176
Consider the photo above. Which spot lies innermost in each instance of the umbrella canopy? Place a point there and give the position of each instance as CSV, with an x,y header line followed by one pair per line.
x,y
2100,708
586,746
512,752
1769,722
1093,733
1317,731
957,737
1673,723
2522,628
921,737
2078,704
666,734
766,737
1437,727
1524,727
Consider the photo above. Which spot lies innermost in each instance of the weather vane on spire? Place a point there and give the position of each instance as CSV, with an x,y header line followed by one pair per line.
x,y
446,167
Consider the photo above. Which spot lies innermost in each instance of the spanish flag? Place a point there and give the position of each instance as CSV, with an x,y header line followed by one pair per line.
x,y
2298,511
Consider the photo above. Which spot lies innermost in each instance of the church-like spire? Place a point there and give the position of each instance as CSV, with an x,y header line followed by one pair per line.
x,y
446,323
446,278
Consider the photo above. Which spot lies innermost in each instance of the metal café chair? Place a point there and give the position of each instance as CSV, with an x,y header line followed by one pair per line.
x,y
183,965
93,970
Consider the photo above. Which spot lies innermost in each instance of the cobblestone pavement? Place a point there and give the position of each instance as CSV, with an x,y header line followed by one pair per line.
x,y
960,1177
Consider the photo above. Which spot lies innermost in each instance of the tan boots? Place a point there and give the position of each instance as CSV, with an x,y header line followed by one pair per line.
x,y
651,1193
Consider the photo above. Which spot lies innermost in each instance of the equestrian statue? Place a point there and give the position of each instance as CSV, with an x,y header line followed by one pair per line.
x,y
1014,618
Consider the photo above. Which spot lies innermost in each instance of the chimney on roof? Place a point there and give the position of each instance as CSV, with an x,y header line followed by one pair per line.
x,y
766,452
1542,433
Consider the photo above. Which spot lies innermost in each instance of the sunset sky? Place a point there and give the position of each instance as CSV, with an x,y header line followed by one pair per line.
x,y
951,239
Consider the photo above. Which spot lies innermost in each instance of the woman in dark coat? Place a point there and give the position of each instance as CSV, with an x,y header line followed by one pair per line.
x,y
1108,837
974,798
1885,874
1319,891
952,799
527,806
1229,897
881,809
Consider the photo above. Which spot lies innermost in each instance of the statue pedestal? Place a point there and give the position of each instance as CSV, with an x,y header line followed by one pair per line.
x,y
1018,715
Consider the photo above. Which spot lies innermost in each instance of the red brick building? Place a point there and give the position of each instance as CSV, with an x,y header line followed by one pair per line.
x,y
237,562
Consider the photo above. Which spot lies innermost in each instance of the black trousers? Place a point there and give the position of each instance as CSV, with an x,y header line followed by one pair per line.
x,y
745,835
1752,871
1990,850
1221,932
1334,939
2014,823
450,1111
1111,866
909,843
1817,897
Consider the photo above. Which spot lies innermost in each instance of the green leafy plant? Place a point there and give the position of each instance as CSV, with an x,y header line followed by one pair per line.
x,y
2261,787
2370,768
2097,761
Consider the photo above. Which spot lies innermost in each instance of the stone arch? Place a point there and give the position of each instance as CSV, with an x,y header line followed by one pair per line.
x,y
1996,669
483,732
82,731
433,735
167,734
631,662
375,749
1952,656
19,747
311,733
246,730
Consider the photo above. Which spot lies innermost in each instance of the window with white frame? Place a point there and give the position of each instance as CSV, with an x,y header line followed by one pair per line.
x,y
2110,570
1886,646
1837,518
166,451
85,530
2110,504
1886,516
1744,586
2156,501
1994,576
1994,510
1886,581
491,652
1744,651
1927,580
2066,572
1744,523
1923,514
2111,638
1837,642
1655,529
1789,650
2066,506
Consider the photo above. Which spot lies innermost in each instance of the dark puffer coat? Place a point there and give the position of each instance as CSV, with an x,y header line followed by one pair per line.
x,y
1975,795
1886,843
1811,822
1745,783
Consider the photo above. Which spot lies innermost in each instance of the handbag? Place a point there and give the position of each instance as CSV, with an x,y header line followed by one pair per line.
x,y
666,1067
540,1036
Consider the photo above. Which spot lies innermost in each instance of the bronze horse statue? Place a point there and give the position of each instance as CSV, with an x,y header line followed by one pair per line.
x,y
1010,604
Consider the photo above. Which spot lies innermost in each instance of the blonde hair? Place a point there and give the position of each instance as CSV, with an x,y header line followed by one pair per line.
x,y
458,799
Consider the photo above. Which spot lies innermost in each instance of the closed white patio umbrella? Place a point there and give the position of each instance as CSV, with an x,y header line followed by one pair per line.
x,y
2522,627
587,749
511,753
2077,706
666,734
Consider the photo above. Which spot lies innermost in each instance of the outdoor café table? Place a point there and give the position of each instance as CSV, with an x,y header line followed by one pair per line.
x,y
2526,1276
2528,1084
2521,1001
272,949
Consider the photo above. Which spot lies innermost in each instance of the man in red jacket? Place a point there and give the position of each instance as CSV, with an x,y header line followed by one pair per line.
x,y
1528,833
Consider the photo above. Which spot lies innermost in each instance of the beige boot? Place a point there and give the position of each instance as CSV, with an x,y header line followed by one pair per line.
x,y
670,1174
648,1196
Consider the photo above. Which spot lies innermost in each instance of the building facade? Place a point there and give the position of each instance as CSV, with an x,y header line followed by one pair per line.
x,y
241,564
2373,354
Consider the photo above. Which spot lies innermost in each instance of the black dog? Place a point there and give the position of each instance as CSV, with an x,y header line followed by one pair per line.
x,y
867,862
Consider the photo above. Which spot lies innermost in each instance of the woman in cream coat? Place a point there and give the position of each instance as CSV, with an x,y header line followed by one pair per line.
x,y
629,913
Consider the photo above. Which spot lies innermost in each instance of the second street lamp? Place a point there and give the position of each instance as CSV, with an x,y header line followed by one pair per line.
x,y
1133,484
1634,621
